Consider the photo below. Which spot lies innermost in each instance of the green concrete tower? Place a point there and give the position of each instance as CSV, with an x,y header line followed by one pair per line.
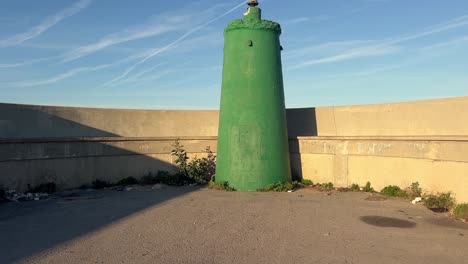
x,y
253,149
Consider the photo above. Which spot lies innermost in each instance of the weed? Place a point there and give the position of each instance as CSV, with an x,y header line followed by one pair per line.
x,y
414,190
328,186
441,202
222,186
48,187
167,178
128,181
200,170
461,211
306,182
99,184
368,188
277,187
354,188
297,184
394,191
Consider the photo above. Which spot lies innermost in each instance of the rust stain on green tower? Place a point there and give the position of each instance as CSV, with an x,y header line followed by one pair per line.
x,y
253,149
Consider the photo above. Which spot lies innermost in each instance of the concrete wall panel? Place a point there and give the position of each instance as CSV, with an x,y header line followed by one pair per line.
x,y
388,144
433,176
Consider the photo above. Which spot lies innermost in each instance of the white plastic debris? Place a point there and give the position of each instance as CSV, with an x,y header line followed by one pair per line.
x,y
290,191
417,200
157,186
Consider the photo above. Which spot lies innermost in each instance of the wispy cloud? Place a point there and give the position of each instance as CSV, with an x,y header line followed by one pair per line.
x,y
168,22
29,62
160,50
453,42
45,25
60,77
163,24
369,51
383,47
72,73
334,46
299,20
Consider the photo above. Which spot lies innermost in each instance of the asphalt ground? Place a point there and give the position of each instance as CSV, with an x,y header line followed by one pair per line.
x,y
197,225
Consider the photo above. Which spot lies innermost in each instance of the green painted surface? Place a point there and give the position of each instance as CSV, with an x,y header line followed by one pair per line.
x,y
253,143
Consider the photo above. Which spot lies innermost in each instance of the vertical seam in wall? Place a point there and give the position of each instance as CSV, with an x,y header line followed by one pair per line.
x,y
334,122
347,170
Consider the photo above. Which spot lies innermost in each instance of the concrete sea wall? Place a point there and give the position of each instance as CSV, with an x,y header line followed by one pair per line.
x,y
424,141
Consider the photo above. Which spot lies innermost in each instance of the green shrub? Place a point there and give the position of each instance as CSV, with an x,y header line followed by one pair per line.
x,y
99,184
394,191
414,190
461,211
307,182
439,202
328,186
200,170
354,188
49,187
128,181
277,187
222,186
149,179
165,177
368,188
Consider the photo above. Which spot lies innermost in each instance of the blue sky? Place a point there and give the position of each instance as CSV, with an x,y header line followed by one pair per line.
x,y
168,54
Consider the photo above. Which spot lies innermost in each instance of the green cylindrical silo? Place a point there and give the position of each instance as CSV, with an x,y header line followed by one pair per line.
x,y
253,147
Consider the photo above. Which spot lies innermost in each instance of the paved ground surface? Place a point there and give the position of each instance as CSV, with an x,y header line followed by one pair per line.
x,y
191,225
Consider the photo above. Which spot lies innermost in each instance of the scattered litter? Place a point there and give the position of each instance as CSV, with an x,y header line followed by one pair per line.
x,y
417,200
14,196
290,191
127,189
118,188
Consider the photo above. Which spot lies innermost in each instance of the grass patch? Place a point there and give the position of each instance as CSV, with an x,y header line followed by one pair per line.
x,y
461,211
100,184
441,202
221,186
414,190
328,186
165,177
128,181
355,188
277,187
306,182
394,191
368,188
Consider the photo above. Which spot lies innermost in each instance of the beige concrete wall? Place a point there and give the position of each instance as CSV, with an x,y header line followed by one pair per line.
x,y
396,144
27,121
442,117
71,163
438,165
